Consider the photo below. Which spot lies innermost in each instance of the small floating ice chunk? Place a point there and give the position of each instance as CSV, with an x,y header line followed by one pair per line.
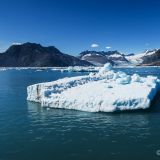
x,y
80,69
3,69
107,67
121,74
136,78
123,80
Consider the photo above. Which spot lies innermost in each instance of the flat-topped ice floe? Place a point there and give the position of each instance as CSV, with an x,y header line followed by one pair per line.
x,y
105,91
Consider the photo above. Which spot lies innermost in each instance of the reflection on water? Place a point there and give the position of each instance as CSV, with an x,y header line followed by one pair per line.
x,y
69,119
93,133
103,125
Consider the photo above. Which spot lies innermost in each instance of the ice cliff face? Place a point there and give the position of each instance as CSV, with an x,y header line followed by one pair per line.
x,y
105,91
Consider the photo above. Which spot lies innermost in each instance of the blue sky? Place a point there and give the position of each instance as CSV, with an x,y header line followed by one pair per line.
x,y
76,25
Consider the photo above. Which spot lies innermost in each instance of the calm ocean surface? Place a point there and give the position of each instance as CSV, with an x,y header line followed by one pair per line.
x,y
29,132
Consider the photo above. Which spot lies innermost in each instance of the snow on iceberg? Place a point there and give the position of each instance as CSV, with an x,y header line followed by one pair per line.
x,y
105,91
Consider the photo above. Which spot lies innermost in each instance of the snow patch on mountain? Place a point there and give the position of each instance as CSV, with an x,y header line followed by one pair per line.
x,y
137,59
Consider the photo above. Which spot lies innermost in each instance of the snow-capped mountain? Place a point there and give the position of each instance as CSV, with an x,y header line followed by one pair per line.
x,y
146,58
100,58
96,58
152,58
149,57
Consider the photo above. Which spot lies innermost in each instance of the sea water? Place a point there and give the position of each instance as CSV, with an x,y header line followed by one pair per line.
x,y
30,132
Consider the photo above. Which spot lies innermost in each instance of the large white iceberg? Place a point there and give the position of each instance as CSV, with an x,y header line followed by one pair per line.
x,y
105,91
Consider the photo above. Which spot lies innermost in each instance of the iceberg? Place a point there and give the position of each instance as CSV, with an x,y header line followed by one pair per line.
x,y
105,91
80,69
3,69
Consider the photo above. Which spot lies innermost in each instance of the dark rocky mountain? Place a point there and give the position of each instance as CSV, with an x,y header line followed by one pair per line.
x,y
100,58
35,55
151,58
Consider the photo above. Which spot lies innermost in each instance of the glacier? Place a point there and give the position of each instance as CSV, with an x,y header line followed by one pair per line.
x,y
105,91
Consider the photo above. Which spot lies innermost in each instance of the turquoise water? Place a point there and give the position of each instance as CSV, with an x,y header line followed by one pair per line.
x,y
28,131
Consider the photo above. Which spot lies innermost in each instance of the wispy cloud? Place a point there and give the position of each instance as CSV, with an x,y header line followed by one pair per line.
x,y
94,45
108,47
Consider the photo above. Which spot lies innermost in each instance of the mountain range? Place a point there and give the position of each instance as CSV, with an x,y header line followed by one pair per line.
x,y
36,55
147,58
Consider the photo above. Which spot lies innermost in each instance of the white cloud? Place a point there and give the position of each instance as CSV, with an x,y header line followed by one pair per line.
x,y
108,47
16,43
94,45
